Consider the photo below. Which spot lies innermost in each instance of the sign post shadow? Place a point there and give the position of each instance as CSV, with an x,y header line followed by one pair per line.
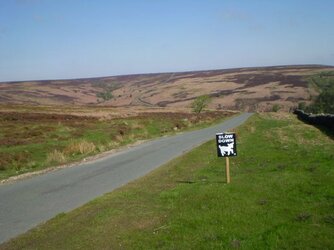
x,y
226,147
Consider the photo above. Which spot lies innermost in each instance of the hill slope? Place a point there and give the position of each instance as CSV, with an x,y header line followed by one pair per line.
x,y
243,88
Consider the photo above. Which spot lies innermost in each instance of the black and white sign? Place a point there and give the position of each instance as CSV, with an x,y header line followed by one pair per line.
x,y
226,144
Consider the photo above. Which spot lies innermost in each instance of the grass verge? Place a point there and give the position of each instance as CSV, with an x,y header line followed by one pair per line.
x,y
35,141
281,196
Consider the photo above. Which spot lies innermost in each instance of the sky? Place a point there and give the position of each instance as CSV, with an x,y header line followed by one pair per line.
x,y
62,39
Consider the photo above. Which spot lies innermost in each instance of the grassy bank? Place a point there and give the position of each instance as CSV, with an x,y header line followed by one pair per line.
x,y
31,141
281,197
324,102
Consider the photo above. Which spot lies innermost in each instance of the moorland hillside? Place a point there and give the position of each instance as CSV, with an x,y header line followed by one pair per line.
x,y
247,89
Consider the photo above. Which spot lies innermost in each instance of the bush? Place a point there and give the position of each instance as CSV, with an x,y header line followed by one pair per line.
x,y
200,103
324,103
275,108
302,105
107,95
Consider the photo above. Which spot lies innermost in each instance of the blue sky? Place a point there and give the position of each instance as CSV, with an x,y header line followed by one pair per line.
x,y
57,39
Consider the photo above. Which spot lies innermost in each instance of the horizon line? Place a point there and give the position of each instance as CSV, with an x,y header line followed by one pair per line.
x,y
167,72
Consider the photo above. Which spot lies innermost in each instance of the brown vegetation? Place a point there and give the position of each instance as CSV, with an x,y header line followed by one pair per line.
x,y
243,89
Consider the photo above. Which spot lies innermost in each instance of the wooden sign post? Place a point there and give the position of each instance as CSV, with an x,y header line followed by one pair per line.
x,y
227,170
226,147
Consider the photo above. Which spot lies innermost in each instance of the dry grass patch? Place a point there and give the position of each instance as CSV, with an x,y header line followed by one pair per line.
x,y
80,147
280,116
119,138
56,157
137,126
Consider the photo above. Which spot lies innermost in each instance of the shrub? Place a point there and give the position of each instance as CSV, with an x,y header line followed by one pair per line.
x,y
200,103
107,95
302,105
275,108
324,103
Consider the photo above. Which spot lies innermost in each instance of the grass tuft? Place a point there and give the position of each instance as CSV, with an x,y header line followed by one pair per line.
x,y
80,147
56,157
304,216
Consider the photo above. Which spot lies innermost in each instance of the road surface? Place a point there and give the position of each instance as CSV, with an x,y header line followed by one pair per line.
x,y
29,202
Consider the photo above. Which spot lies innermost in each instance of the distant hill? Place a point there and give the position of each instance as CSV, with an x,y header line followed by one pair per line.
x,y
244,89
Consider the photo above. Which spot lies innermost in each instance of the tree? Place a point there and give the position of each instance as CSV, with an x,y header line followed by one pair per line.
x,y
200,103
275,108
107,95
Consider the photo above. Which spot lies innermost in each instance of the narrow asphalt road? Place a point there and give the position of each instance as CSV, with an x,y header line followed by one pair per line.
x,y
27,203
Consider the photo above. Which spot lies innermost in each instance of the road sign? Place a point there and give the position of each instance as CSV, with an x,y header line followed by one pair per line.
x,y
226,144
226,147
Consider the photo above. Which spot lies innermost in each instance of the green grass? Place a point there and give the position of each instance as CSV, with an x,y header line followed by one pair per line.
x,y
27,140
281,196
324,84
323,80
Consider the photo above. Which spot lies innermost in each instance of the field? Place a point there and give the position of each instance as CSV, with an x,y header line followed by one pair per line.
x,y
248,89
281,196
36,138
